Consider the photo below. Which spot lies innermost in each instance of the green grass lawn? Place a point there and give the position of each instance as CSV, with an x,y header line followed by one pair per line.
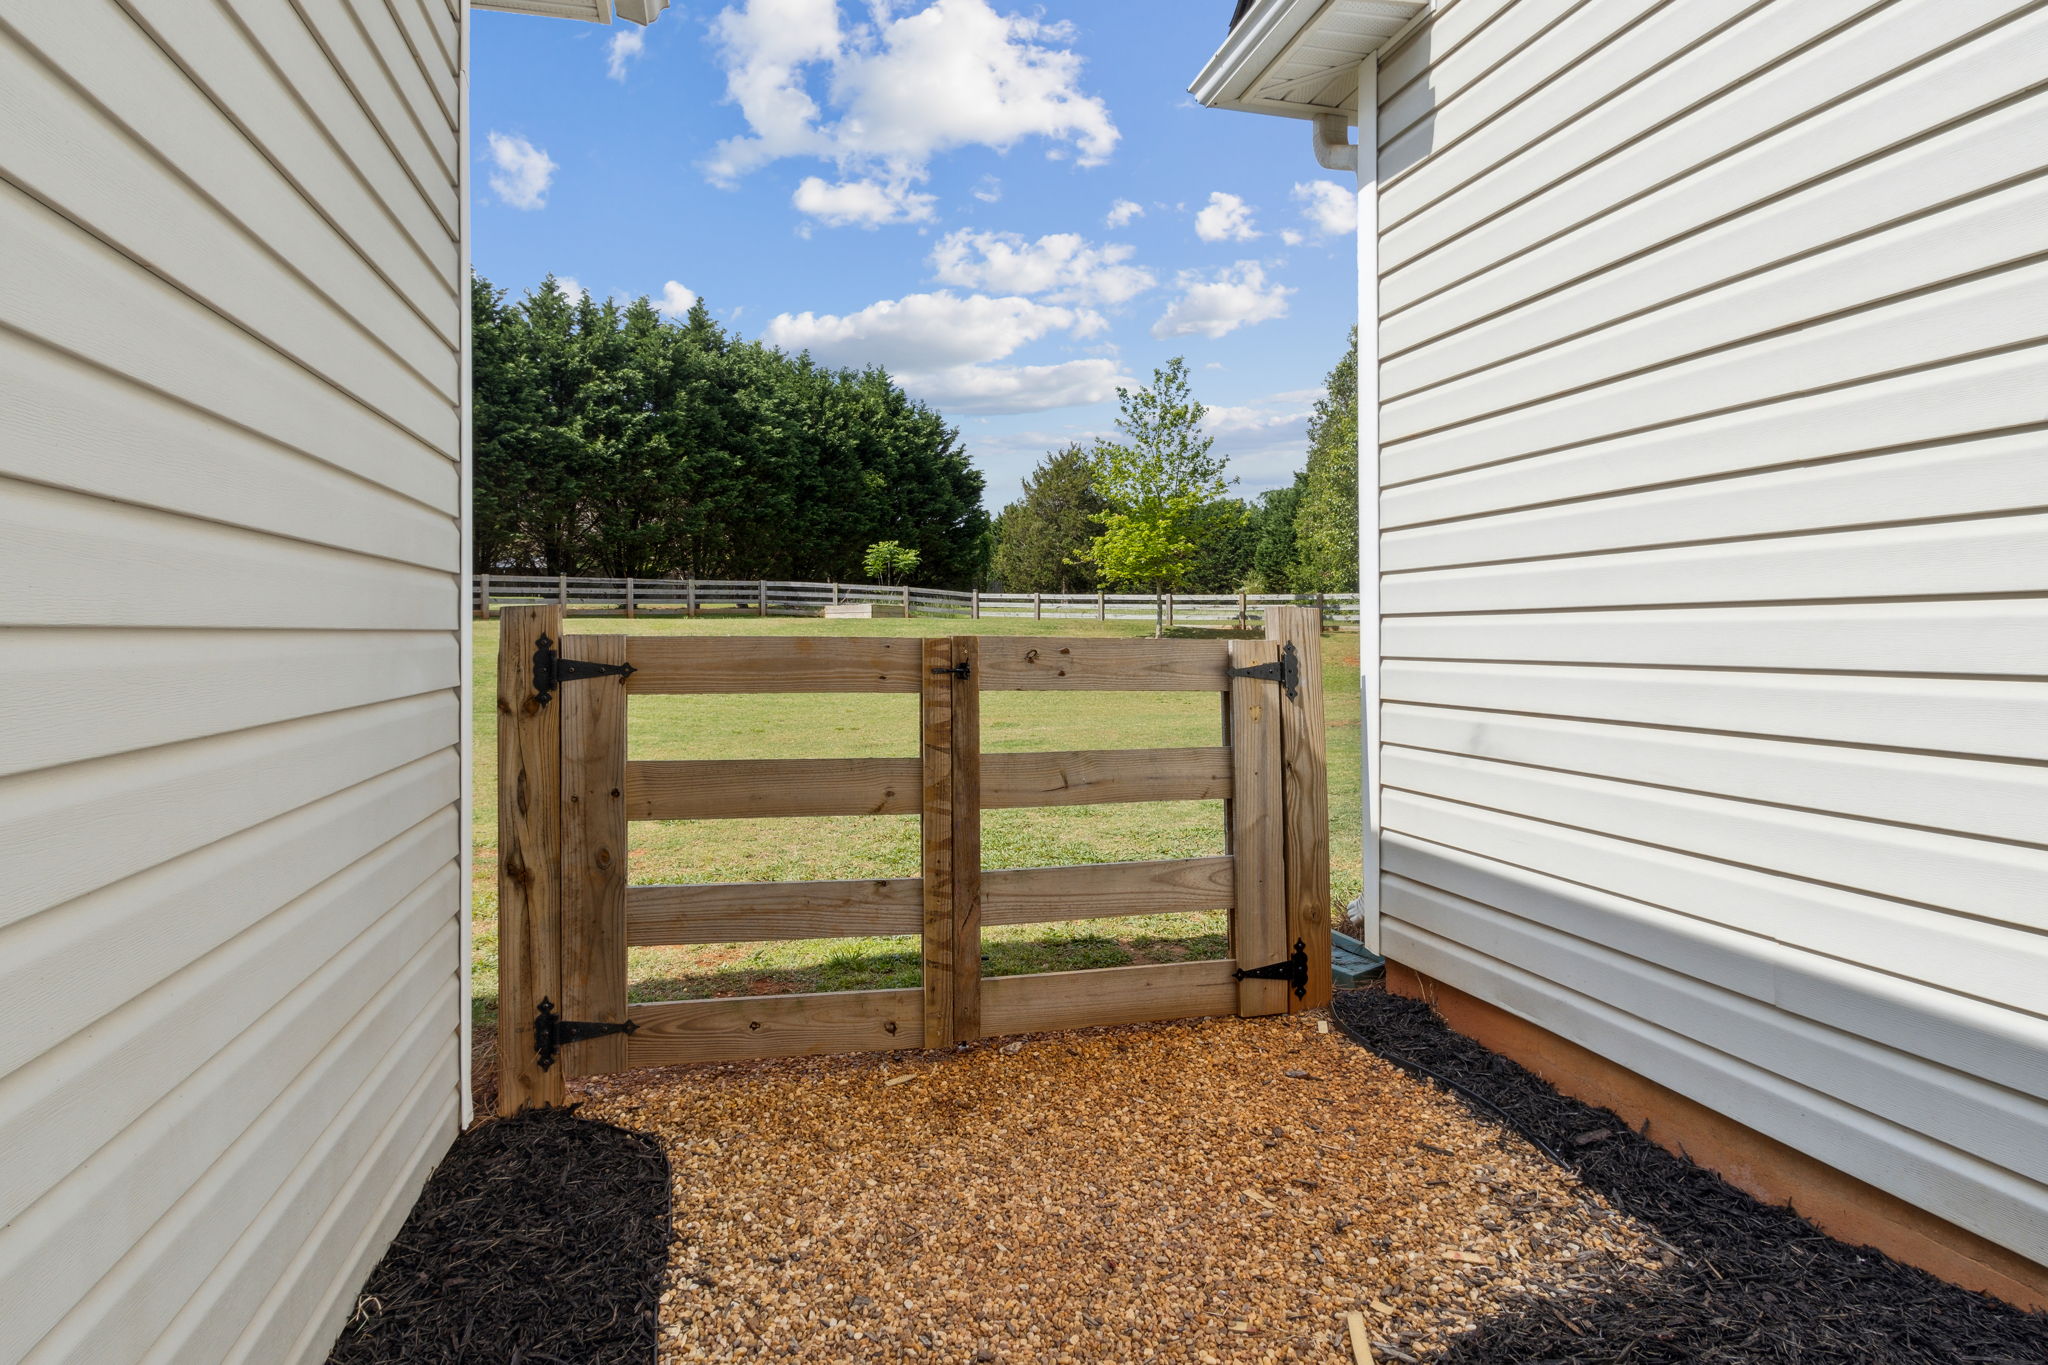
x,y
852,726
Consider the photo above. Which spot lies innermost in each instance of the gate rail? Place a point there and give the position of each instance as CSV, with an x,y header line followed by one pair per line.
x,y
568,792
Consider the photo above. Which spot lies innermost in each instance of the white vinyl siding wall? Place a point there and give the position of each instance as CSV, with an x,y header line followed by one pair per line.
x,y
231,620
1715,564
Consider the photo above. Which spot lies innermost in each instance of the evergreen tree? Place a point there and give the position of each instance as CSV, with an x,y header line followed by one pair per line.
x,y
1326,521
1274,546
1040,538
1224,534
611,440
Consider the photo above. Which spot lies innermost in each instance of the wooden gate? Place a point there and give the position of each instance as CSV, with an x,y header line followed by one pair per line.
x,y
567,792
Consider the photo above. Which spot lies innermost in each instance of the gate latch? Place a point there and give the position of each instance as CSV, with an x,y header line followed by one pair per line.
x,y
551,670
552,1033
959,670
1287,672
1293,970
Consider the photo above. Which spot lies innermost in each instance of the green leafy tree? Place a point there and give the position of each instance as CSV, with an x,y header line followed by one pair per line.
x,y
886,561
1040,538
1326,521
1156,480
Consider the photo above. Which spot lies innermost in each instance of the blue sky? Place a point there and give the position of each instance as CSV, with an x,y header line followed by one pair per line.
x,y
1013,207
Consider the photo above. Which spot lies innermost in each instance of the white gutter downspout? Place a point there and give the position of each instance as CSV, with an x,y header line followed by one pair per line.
x,y
1334,151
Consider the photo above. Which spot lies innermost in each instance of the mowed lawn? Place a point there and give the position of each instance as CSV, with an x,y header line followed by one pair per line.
x,y
836,726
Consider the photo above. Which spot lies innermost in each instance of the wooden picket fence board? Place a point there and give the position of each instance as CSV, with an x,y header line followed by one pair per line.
x,y
568,791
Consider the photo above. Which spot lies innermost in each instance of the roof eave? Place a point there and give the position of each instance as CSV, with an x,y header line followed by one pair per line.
x,y
588,11
1265,37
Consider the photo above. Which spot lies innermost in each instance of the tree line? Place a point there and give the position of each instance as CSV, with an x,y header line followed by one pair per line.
x,y
612,441
1151,508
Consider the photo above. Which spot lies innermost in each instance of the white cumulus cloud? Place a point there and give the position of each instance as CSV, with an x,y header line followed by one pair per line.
x,y
571,290
1217,305
1064,267
523,172
1330,208
1122,212
880,100
1016,388
626,44
1288,409
922,331
861,203
676,301
1226,218
942,347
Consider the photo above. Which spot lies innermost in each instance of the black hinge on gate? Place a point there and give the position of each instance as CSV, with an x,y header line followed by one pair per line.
x,y
1287,672
551,670
959,670
552,1033
1294,971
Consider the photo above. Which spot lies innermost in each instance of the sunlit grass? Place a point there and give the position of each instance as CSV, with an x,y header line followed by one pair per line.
x,y
854,726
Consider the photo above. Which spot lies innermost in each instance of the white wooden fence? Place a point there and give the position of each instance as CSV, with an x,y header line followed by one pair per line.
x,y
732,597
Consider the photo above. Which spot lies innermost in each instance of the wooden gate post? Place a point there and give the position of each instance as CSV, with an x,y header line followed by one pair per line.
x,y
1259,922
593,894
483,597
629,599
1305,797
950,711
764,599
529,857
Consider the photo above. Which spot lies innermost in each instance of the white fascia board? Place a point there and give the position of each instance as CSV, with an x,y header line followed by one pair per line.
x,y
591,11
1265,37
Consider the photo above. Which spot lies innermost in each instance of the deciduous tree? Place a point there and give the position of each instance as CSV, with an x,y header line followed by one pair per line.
x,y
1156,480
1326,523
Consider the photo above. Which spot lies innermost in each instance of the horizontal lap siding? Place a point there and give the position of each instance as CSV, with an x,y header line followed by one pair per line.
x,y
1715,484
230,647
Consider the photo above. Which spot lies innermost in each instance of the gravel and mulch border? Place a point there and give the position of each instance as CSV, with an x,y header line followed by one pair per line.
x,y
540,1240
1211,1191
1739,1283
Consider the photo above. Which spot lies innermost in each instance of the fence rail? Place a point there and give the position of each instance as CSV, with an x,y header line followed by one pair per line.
x,y
767,597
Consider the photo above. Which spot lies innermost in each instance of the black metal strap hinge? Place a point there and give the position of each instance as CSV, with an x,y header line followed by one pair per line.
x,y
552,1033
1287,672
1294,971
960,670
551,670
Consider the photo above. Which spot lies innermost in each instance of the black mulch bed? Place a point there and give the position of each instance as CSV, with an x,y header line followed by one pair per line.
x,y
1751,1283
541,1240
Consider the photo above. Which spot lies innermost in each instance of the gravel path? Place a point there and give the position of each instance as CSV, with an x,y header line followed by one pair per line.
x,y
1214,1191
